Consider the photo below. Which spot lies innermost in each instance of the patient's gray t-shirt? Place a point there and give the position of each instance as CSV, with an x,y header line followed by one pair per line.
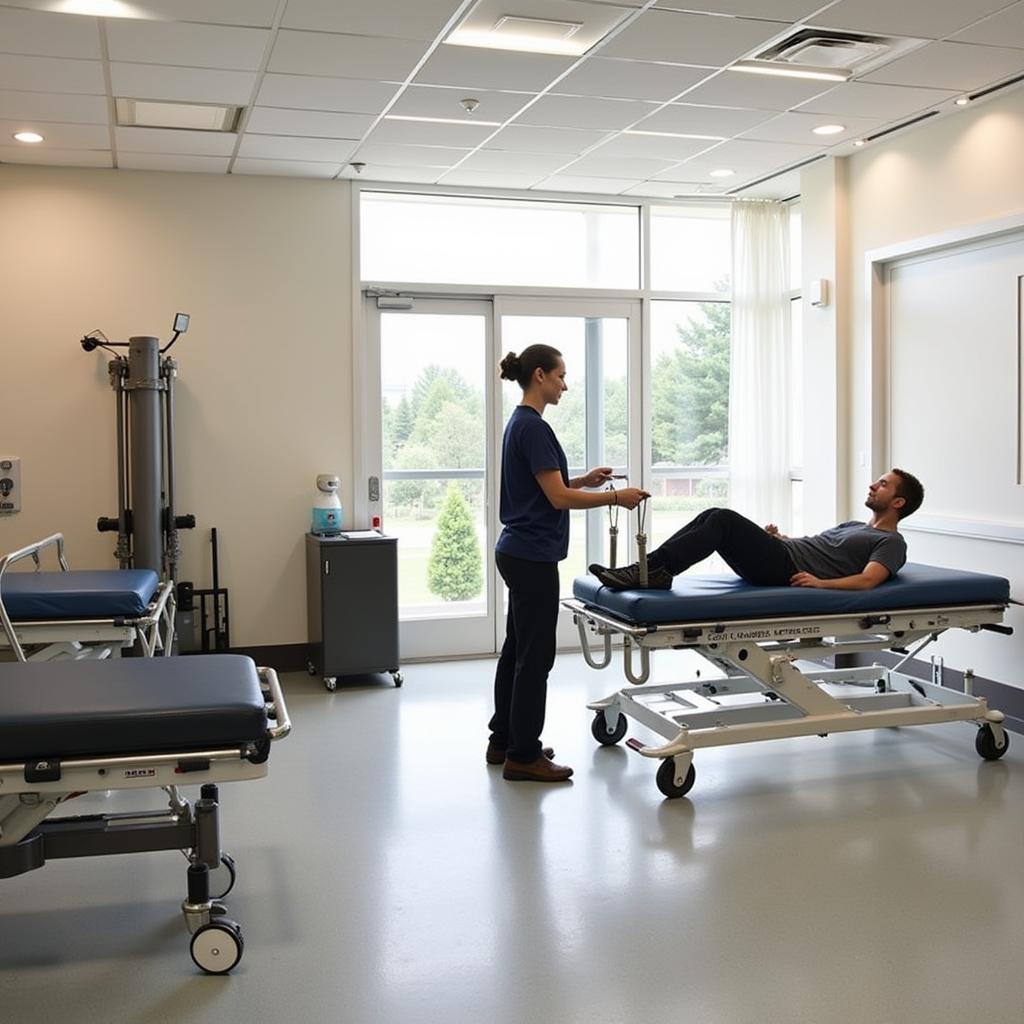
x,y
846,549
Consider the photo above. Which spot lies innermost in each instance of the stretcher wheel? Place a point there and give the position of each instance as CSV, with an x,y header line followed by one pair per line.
x,y
666,779
217,947
222,879
599,730
985,743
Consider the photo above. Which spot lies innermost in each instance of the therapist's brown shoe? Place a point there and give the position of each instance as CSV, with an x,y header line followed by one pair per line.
x,y
541,770
496,755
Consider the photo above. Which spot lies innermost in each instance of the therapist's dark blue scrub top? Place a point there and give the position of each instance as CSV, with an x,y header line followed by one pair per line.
x,y
534,528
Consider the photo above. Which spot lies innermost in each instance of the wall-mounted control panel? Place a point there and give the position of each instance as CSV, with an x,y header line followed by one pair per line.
x,y
10,484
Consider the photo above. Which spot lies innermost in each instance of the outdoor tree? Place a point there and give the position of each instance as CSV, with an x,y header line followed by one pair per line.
x,y
455,568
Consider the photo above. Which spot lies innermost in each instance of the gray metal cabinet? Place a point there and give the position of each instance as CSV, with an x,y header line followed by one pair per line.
x,y
352,605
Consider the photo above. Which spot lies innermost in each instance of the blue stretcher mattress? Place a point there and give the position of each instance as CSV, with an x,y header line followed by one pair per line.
x,y
58,709
729,598
79,594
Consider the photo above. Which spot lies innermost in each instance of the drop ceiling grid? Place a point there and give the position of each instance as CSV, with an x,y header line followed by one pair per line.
x,y
279,58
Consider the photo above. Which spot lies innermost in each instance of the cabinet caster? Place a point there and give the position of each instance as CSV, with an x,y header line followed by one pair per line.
x,y
397,677
331,683
217,947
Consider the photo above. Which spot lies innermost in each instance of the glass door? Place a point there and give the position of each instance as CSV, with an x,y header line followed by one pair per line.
x,y
597,421
435,456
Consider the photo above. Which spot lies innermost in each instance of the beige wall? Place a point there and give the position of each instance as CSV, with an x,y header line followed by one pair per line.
x,y
264,389
958,171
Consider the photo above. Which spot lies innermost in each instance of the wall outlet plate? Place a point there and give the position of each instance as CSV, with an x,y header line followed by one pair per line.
x,y
10,484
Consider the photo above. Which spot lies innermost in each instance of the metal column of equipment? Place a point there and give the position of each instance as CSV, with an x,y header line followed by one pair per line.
x,y
143,382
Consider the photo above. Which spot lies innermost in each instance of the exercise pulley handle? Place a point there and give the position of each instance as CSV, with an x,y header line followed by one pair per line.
x,y
641,541
613,528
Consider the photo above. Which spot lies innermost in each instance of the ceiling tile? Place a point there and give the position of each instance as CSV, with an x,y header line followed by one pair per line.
x,y
412,175
545,140
441,101
1003,29
55,157
472,67
189,85
662,189
755,92
306,53
258,13
49,35
575,183
598,165
288,147
690,38
778,10
929,19
657,147
798,127
62,135
690,119
312,123
629,79
863,99
173,162
519,163
309,93
413,156
782,186
422,19
425,133
584,112
50,74
741,155
202,46
167,140
277,168
47,106
490,179
958,66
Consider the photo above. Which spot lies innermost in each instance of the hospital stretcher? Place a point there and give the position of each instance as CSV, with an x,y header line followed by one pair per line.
x,y
81,613
69,727
755,636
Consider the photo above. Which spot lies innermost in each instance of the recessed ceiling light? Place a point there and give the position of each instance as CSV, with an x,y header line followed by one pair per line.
x,y
535,35
441,120
199,117
829,129
28,136
767,67
859,142
963,101
97,8
676,135
722,172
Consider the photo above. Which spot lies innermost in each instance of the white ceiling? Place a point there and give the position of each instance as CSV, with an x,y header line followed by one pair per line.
x,y
651,109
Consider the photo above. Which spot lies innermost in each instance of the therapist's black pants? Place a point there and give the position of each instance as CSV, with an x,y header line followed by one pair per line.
x,y
750,552
521,680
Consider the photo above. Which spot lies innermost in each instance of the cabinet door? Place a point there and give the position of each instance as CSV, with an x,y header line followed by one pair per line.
x,y
360,608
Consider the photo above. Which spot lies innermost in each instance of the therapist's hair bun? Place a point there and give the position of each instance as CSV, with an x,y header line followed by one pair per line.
x,y
511,366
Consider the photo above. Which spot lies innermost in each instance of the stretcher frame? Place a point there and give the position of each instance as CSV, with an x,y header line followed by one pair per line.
x,y
30,793
765,695
93,638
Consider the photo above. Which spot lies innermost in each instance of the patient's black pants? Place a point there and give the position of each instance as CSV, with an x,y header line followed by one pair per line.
x,y
521,679
750,552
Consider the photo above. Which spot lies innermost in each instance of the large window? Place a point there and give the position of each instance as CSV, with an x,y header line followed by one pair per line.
x,y
691,248
434,239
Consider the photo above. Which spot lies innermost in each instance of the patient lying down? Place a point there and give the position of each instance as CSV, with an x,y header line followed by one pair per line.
x,y
850,556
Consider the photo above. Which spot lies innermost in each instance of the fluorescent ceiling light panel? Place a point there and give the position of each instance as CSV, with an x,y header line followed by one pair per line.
x,y
722,172
28,137
829,129
201,117
768,67
677,135
443,120
98,8
569,28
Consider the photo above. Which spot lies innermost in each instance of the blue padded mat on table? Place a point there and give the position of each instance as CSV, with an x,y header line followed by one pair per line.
x,y
79,594
726,598
54,709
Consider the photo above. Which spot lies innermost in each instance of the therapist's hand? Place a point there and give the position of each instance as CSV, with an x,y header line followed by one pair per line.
x,y
596,477
805,579
630,497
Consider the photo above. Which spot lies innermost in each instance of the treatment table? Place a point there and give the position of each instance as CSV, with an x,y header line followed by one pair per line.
x,y
70,727
755,635
81,613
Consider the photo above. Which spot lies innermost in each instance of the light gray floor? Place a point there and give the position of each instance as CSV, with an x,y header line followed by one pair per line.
x,y
387,875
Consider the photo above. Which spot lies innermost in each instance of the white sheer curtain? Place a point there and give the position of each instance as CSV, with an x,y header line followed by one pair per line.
x,y
759,393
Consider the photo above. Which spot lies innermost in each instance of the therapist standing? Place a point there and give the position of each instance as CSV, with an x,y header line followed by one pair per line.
x,y
536,495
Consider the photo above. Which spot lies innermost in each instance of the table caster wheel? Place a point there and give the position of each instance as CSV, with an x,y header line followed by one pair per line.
x,y
599,729
666,779
331,683
222,878
397,677
217,947
985,743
